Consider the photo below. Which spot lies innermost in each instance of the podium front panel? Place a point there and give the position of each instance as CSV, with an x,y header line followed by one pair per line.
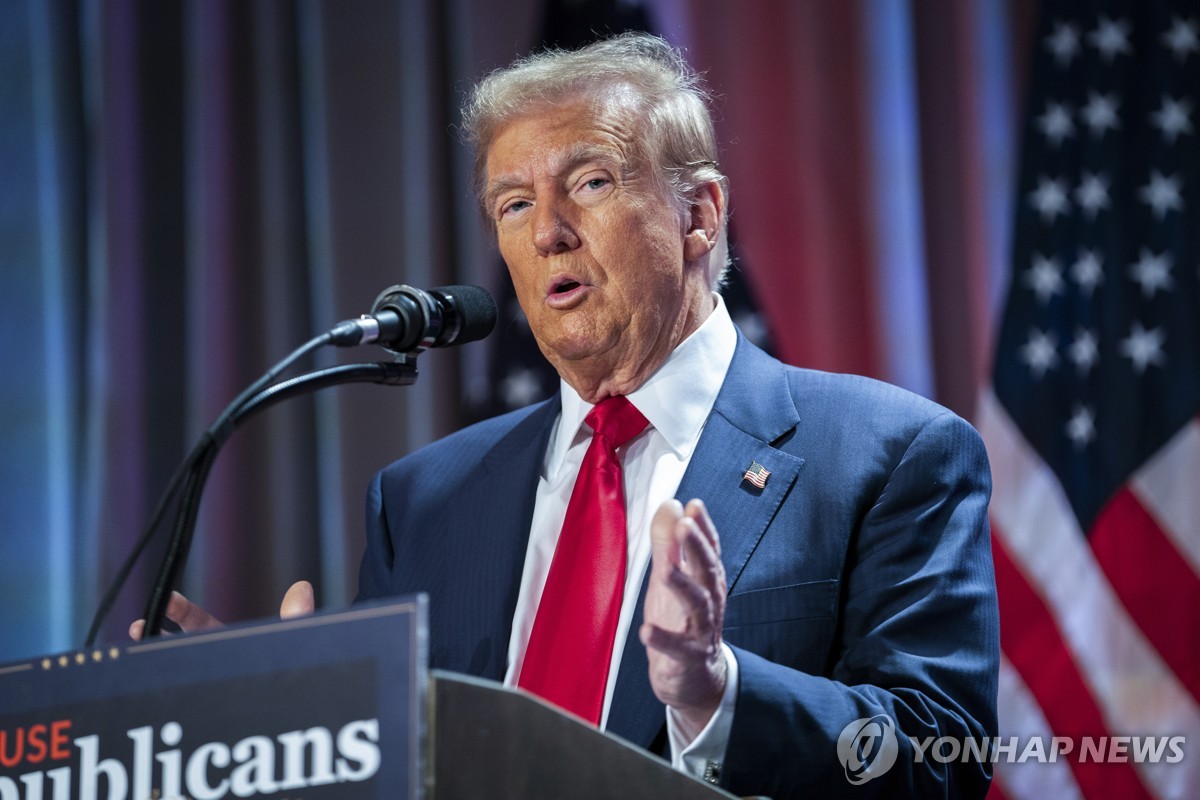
x,y
328,706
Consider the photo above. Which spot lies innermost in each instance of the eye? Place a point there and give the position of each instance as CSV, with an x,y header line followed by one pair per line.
x,y
594,184
513,207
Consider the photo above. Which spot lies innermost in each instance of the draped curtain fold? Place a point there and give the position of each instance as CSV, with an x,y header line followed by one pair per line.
x,y
216,182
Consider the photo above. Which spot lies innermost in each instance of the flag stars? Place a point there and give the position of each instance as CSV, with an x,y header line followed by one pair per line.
x,y
1056,123
1110,38
1040,352
1100,113
1084,351
1081,427
1183,38
1162,194
1088,271
1143,347
1044,276
1050,198
1092,194
1063,43
1173,118
1152,272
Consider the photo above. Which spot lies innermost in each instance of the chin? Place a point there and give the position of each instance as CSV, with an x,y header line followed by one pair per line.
x,y
570,337
568,352
565,348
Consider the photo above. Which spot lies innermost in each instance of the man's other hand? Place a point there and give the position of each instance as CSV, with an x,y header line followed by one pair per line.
x,y
298,601
685,610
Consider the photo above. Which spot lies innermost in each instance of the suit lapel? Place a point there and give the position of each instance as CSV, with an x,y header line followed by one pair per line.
x,y
753,409
478,622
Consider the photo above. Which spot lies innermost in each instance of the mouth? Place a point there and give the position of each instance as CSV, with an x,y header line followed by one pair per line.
x,y
564,291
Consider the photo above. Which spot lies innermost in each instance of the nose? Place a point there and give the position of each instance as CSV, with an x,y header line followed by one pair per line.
x,y
553,232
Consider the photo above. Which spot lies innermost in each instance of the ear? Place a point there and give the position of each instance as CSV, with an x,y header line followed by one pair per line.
x,y
705,217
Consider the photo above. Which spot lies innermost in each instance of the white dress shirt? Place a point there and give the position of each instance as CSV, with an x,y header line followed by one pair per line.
x,y
676,400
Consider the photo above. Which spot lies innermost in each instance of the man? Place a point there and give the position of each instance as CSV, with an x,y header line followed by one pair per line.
x,y
831,564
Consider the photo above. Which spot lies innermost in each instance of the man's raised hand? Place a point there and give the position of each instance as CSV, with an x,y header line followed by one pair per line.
x,y
685,610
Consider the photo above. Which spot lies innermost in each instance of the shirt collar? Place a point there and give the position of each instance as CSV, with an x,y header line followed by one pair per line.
x,y
676,399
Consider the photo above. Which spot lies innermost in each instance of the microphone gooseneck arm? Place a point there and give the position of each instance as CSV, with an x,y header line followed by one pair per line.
x,y
211,439
404,320
390,373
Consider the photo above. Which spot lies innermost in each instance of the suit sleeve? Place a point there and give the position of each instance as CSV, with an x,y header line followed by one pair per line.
x,y
917,641
374,573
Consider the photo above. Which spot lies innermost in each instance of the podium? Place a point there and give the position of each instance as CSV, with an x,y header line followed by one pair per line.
x,y
494,742
337,705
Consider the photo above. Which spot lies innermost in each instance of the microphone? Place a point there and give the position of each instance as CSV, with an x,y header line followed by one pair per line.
x,y
405,319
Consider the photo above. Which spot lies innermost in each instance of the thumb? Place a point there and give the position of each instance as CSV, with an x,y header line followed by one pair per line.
x,y
298,601
663,544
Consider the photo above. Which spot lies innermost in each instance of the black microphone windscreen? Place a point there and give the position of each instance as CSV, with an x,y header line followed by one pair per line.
x,y
476,311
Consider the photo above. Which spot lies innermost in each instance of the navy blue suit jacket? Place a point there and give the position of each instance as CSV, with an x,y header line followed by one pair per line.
x,y
860,578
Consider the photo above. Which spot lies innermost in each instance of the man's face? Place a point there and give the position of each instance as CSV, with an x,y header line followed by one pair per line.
x,y
598,252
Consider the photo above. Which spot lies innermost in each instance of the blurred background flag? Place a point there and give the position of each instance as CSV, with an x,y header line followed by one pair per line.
x,y
1091,421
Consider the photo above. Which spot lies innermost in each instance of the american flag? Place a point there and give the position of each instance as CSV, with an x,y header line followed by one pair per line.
x,y
1091,423
757,475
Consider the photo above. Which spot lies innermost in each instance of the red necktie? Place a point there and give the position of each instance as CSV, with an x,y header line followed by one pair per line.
x,y
571,645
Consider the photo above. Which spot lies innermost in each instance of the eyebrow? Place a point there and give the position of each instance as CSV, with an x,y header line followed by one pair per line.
x,y
576,155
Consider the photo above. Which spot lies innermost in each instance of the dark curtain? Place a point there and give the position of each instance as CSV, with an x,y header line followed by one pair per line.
x,y
195,190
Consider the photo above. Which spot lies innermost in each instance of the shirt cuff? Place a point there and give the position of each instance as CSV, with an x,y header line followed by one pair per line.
x,y
702,757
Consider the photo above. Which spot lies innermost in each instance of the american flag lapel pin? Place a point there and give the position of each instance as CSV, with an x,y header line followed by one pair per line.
x,y
757,475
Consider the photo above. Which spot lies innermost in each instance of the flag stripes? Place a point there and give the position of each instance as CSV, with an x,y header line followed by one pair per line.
x,y
1054,680
1020,716
1087,664
1156,586
1170,484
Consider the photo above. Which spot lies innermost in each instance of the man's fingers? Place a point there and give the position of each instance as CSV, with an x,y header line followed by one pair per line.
x,y
702,562
697,511
679,646
684,612
688,567
694,597
189,616
700,590
184,613
662,532
298,601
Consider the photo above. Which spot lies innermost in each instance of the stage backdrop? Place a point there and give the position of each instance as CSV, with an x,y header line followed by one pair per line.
x,y
192,189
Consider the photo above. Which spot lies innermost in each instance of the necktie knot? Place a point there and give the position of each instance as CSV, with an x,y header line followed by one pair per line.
x,y
616,419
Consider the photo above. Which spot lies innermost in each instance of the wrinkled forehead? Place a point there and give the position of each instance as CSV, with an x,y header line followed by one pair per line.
x,y
599,105
584,119
609,105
